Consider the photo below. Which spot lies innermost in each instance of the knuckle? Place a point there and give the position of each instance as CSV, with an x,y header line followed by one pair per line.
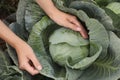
x,y
21,67
34,73
74,17
72,28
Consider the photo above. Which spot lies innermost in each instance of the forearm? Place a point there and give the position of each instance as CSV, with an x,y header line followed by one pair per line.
x,y
48,7
7,35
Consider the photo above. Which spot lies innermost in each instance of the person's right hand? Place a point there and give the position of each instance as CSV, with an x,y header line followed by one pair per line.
x,y
68,21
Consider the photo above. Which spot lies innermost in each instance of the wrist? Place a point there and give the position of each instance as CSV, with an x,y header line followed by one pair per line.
x,y
20,45
52,14
49,7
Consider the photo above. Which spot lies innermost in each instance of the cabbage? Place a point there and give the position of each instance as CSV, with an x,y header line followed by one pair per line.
x,y
115,7
63,53
66,44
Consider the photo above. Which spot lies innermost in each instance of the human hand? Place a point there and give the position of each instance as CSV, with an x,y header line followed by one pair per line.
x,y
27,59
69,21
26,56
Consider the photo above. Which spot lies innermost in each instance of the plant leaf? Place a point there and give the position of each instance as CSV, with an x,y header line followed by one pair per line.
x,y
33,13
93,11
9,71
50,69
107,68
87,61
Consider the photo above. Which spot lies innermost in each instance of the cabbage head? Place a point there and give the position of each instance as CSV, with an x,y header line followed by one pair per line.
x,y
67,47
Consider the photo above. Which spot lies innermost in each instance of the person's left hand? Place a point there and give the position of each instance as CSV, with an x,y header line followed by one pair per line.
x,y
27,59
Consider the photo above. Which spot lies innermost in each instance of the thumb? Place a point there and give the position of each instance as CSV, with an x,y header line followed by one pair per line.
x,y
79,27
36,63
72,26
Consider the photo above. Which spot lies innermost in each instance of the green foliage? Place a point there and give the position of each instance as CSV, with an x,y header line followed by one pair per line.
x,y
105,2
115,7
59,49
8,71
63,53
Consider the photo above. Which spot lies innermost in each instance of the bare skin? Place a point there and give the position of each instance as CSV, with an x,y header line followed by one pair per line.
x,y
24,51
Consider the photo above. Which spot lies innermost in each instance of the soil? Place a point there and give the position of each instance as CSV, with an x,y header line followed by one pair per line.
x,y
7,7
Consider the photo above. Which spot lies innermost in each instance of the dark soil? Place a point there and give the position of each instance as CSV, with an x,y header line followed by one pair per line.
x,y
7,7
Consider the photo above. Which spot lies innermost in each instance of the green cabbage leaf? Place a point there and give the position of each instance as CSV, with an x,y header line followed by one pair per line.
x,y
8,71
114,6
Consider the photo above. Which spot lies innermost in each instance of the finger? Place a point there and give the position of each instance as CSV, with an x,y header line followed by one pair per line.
x,y
80,28
35,62
84,33
74,20
30,69
72,26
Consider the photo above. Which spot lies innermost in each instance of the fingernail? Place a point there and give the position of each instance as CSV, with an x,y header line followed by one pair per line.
x,y
39,67
78,29
85,36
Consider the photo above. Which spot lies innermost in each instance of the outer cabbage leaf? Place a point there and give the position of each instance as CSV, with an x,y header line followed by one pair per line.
x,y
33,13
93,11
114,17
87,61
105,2
28,13
114,6
107,68
116,20
21,12
9,71
20,16
73,74
50,69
